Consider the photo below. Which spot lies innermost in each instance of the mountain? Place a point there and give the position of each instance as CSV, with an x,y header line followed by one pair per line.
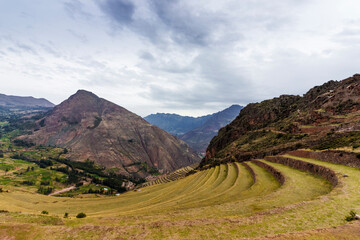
x,y
200,137
176,124
96,129
15,101
327,116
197,132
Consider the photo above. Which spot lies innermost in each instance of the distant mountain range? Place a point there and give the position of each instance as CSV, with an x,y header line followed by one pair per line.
x,y
16,101
96,129
176,124
197,132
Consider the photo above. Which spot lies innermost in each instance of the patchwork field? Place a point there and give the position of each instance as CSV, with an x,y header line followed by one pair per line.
x,y
229,201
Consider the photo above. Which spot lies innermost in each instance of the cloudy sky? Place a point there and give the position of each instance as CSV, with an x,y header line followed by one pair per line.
x,y
182,56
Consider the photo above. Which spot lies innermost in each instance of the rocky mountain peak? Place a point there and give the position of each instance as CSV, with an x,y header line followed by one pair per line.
x,y
94,128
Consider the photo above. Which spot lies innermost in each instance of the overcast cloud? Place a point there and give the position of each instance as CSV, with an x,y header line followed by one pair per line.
x,y
182,56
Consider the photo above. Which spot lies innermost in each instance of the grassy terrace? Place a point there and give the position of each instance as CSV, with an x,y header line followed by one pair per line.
x,y
222,202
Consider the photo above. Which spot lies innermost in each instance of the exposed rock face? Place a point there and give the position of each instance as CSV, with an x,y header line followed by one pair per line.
x,y
94,128
289,122
15,101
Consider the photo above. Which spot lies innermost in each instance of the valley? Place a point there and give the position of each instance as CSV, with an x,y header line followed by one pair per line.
x,y
289,174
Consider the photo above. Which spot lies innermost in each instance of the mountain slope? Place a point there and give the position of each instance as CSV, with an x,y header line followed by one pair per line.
x,y
200,137
15,101
176,124
323,115
94,128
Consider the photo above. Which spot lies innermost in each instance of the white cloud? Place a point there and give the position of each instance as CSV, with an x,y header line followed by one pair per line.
x,y
188,57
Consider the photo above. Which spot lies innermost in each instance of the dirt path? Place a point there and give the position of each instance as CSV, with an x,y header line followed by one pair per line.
x,y
62,191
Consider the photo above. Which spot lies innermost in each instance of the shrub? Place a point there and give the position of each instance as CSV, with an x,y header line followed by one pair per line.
x,y
81,215
22,143
358,155
45,183
42,123
45,191
44,212
29,183
66,215
351,217
79,184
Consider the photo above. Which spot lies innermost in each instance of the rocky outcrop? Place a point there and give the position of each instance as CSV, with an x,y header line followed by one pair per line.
x,y
96,129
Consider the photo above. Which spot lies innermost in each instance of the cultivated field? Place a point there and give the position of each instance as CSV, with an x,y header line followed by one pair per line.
x,y
230,201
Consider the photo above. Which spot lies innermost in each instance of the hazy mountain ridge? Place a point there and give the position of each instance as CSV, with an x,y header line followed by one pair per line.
x,y
200,137
94,128
176,124
197,132
16,101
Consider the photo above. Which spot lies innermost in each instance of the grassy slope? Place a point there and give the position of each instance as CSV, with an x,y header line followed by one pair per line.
x,y
235,205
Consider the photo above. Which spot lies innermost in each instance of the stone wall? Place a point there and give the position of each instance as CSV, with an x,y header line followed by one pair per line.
x,y
337,157
278,175
321,171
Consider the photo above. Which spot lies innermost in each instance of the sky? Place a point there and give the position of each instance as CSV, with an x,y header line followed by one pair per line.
x,y
176,56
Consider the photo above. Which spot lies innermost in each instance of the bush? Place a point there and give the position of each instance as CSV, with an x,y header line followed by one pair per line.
x,y
351,217
81,215
45,191
44,212
79,184
45,183
22,143
29,183
66,215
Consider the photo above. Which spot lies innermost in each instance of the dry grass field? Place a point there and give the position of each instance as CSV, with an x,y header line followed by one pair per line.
x,y
223,202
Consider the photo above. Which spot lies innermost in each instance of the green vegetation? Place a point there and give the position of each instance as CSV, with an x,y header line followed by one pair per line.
x,y
351,216
334,141
44,212
96,123
81,215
